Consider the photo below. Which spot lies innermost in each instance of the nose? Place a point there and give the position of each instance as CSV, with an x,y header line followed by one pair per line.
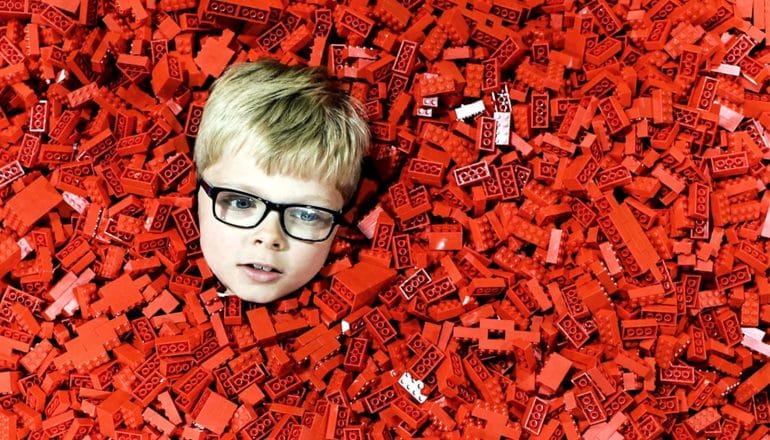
x,y
269,233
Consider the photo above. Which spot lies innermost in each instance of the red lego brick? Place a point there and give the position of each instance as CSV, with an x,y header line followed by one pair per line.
x,y
236,10
434,43
379,327
213,411
354,22
356,355
471,174
405,58
732,164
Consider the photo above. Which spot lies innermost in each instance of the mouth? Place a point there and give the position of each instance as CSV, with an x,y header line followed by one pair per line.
x,y
261,267
260,273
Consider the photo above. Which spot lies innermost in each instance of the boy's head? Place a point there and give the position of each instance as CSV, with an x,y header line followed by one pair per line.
x,y
275,135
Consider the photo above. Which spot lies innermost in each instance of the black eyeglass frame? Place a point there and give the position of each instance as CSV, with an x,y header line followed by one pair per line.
x,y
213,191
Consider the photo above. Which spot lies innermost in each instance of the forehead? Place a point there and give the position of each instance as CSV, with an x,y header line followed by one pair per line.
x,y
240,172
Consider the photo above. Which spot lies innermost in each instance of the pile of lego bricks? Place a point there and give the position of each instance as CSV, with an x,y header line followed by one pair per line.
x,y
562,231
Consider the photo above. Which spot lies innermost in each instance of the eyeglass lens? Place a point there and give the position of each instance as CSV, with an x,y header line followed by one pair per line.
x,y
300,222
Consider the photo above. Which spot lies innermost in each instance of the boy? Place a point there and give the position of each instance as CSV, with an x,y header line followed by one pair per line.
x,y
278,156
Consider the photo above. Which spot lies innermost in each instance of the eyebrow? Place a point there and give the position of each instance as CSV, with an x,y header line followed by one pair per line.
x,y
310,200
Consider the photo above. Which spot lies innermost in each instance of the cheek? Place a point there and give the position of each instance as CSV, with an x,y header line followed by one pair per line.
x,y
204,225
208,245
313,258
214,241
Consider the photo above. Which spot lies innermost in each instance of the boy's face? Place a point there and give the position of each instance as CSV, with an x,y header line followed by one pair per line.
x,y
230,251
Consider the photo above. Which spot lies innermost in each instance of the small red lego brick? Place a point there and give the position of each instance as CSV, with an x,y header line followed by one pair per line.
x,y
167,76
194,117
455,25
134,67
213,411
411,285
731,164
486,132
358,285
261,325
140,182
534,415
213,58
56,20
29,205
471,174
356,355
10,172
613,177
509,51
273,37
434,43
614,114
426,172
490,75
236,10
354,22
10,52
402,252
405,58
738,48
425,362
379,327
38,116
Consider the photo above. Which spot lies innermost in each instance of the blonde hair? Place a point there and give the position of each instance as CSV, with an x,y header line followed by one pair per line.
x,y
311,129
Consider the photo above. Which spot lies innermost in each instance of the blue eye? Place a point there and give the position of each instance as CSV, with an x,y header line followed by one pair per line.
x,y
307,216
243,203
238,202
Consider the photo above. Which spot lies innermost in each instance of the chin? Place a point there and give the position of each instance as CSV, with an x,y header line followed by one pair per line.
x,y
257,299
262,297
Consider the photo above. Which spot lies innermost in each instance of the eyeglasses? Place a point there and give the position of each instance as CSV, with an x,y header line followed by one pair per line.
x,y
246,211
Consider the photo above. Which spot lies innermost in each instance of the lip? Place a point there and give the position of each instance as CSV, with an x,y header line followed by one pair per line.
x,y
259,276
